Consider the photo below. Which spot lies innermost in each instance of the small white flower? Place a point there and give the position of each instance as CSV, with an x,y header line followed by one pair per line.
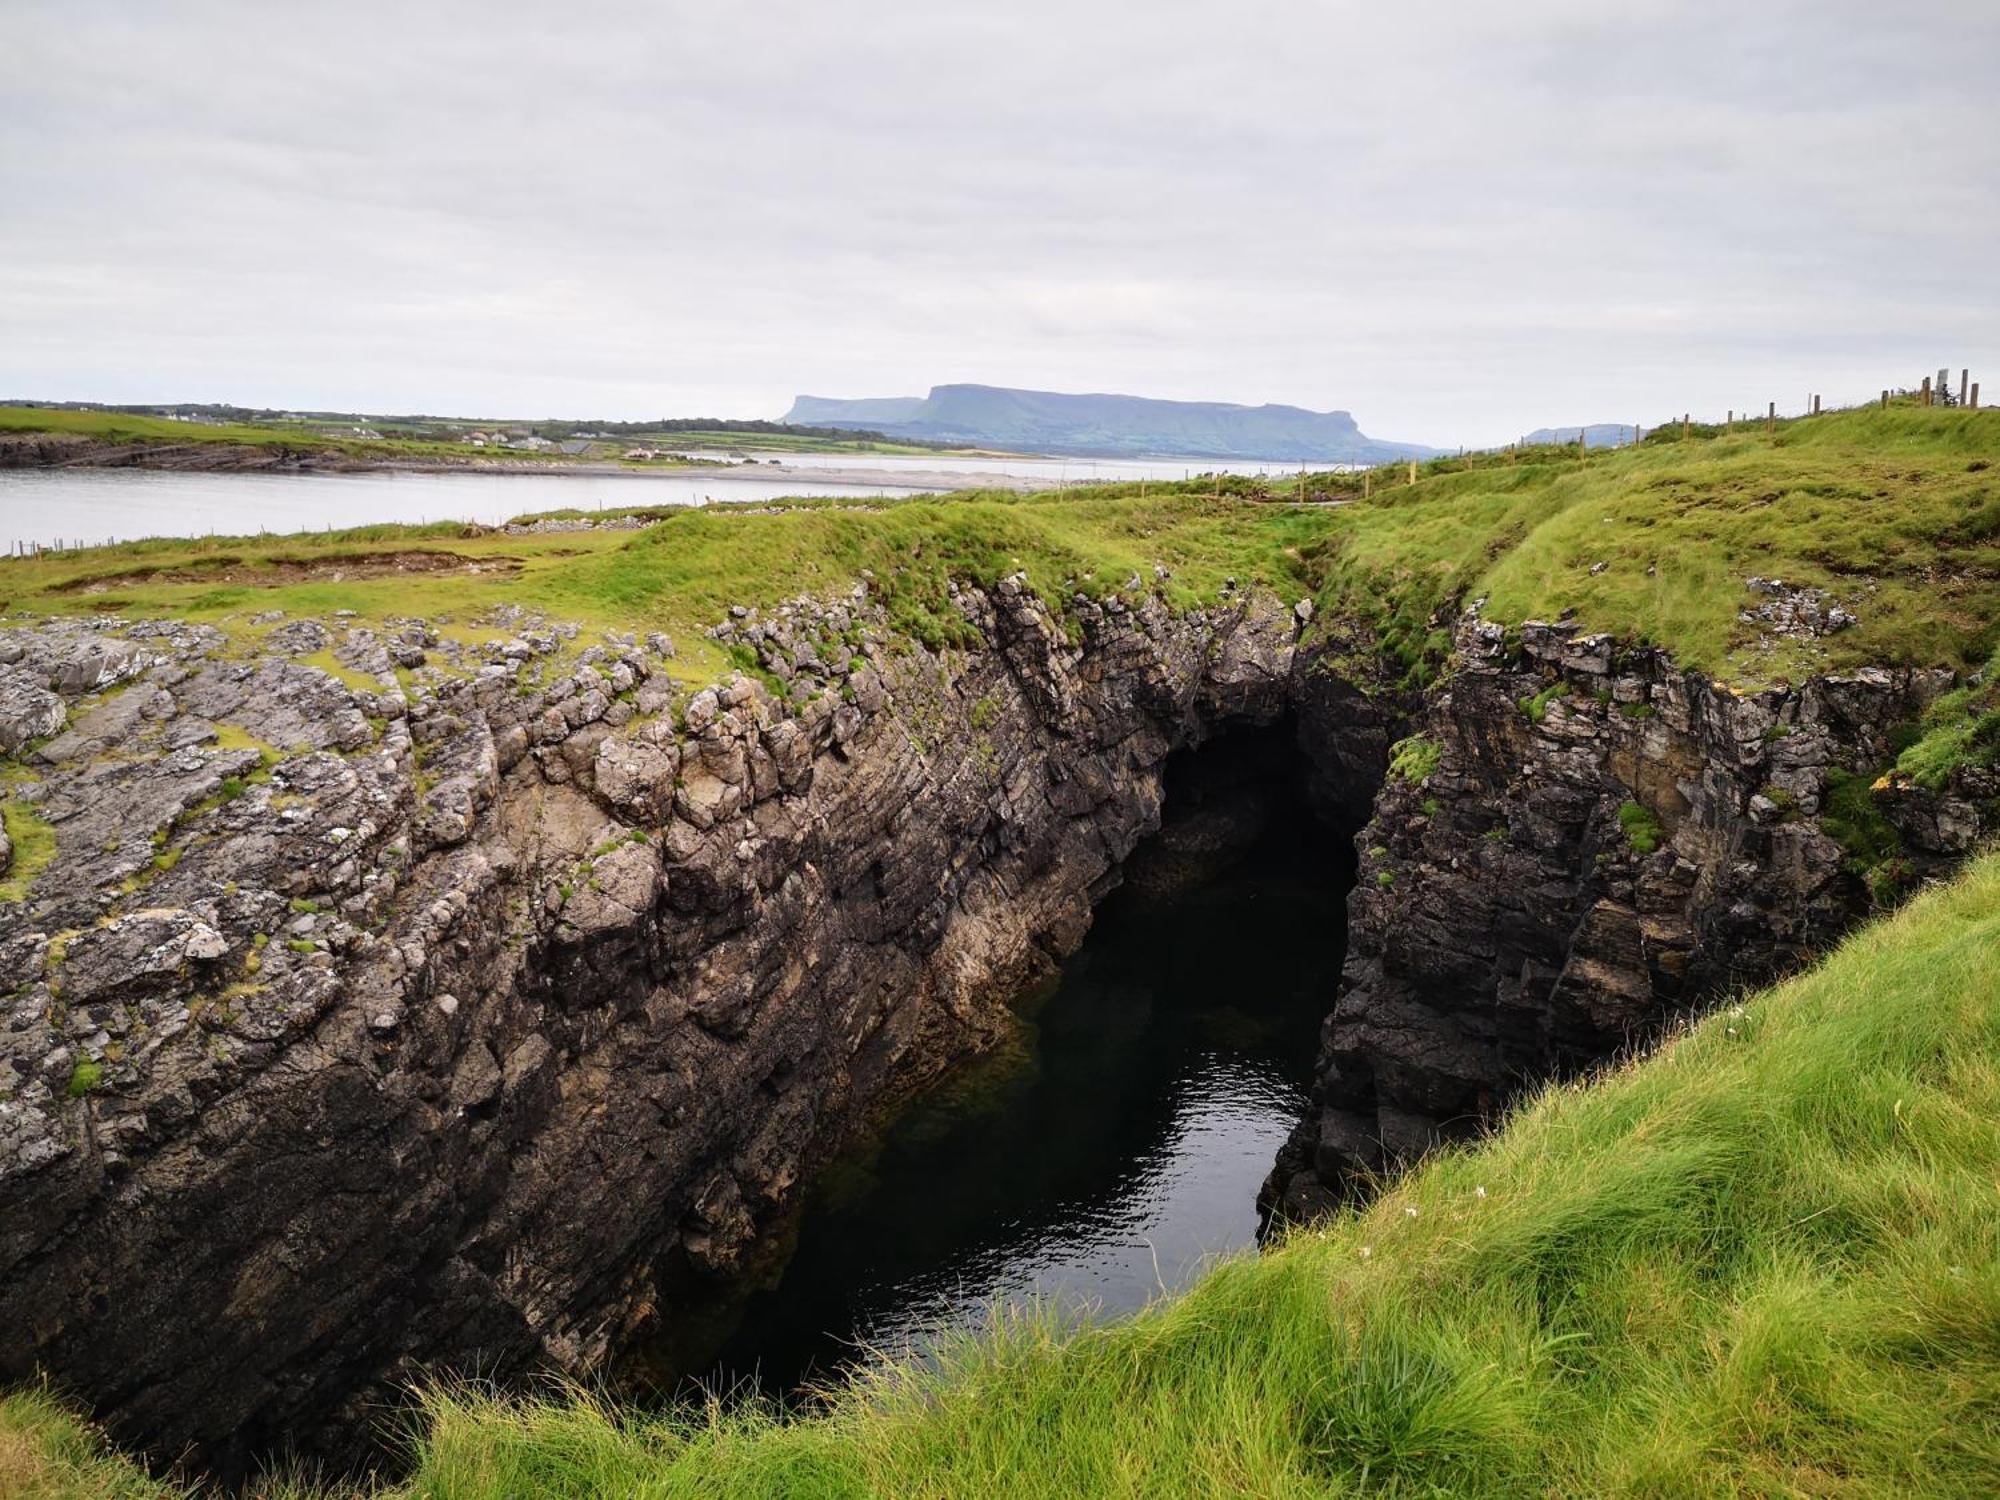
x,y
1366,1252
1409,1213
1479,1192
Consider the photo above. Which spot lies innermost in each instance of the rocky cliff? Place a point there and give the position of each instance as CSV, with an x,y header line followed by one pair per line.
x,y
378,1002
1576,842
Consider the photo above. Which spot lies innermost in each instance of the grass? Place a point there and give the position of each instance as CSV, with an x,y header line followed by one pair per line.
x,y
1414,759
1961,729
303,438
34,844
1640,826
1896,510
1762,1260
1894,513
413,442
1536,707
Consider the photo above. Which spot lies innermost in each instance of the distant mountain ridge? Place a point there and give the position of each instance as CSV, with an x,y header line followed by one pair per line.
x,y
1108,426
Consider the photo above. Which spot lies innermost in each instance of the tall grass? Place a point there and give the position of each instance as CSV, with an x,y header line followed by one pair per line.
x,y
1763,1260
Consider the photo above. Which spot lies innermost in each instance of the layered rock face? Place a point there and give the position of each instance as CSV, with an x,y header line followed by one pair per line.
x,y
1577,843
456,1020
389,1004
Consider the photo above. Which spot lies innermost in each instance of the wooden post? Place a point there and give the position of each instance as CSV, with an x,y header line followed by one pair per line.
x,y
1413,471
1973,404
1963,390
1367,483
1927,390
1685,427
1885,400
1771,418
1815,406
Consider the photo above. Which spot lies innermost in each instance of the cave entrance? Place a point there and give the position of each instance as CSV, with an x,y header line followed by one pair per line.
x,y
1122,1141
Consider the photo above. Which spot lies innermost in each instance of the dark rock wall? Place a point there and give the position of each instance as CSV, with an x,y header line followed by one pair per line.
x,y
1509,923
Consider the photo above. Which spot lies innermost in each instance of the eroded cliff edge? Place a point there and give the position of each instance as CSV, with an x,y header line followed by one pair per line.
x,y
388,1003
382,1002
1577,841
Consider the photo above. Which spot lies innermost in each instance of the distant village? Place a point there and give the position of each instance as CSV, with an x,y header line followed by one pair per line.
x,y
523,441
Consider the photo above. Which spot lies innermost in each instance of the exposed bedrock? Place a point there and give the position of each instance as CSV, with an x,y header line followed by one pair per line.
x,y
1583,842
469,1020
482,1020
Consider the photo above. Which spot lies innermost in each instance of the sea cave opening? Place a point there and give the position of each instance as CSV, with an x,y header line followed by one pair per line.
x,y
1117,1145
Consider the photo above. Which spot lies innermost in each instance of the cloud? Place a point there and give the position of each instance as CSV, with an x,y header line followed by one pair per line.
x,y
1458,222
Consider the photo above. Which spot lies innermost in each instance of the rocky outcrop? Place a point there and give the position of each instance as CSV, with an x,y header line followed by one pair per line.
x,y
1577,842
464,1006
460,1018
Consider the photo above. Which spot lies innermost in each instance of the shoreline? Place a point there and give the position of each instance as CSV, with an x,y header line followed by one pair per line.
x,y
52,452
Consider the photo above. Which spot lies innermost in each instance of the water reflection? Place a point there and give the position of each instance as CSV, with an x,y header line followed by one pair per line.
x,y
1120,1146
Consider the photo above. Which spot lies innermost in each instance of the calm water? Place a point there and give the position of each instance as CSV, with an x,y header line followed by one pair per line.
x,y
102,505
1122,1148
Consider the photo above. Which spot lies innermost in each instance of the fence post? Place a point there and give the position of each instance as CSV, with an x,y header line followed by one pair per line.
x,y
1815,406
1927,390
1771,418
1685,429
1885,401
1973,404
1413,471
1963,376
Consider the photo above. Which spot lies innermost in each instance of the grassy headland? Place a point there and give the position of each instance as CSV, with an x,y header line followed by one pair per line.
x,y
1764,1259
435,440
1894,514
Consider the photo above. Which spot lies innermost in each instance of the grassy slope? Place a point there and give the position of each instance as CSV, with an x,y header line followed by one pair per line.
x,y
1764,1260
1897,513
1906,499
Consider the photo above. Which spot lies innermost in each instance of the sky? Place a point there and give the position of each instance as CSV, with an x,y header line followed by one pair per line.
x,y
1458,221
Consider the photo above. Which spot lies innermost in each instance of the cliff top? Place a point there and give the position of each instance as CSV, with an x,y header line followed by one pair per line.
x,y
1857,538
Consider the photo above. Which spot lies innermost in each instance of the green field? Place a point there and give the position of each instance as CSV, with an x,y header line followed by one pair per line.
x,y
1764,1260
301,438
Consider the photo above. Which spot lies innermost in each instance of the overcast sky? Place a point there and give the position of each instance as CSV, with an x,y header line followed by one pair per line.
x,y
1455,220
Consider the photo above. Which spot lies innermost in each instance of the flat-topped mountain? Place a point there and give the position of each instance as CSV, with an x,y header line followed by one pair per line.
x,y
1108,425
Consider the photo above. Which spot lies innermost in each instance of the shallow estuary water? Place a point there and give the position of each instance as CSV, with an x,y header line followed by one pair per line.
x,y
1106,1160
89,506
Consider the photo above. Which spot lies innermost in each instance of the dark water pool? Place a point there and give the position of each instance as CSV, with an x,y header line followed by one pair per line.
x,y
1122,1142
